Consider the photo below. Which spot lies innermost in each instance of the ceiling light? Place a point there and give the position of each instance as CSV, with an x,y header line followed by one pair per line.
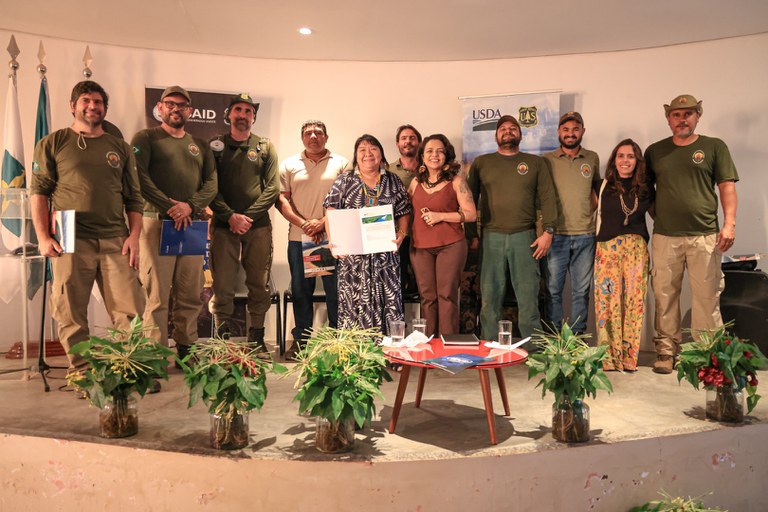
x,y
305,31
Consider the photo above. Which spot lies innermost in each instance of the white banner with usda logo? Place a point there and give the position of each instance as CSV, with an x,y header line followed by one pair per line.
x,y
538,114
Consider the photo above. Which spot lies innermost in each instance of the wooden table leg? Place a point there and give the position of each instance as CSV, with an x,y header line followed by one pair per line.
x,y
503,390
485,385
399,397
420,387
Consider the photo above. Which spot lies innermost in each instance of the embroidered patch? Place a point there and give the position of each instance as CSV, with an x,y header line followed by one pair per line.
x,y
698,156
252,155
193,149
522,168
113,159
586,170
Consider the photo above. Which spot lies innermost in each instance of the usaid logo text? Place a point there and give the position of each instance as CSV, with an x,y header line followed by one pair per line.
x,y
484,119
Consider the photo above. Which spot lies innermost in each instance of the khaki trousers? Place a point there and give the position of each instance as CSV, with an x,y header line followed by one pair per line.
x,y
100,261
671,256
253,251
163,276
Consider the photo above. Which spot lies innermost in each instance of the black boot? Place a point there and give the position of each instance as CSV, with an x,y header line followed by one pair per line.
x,y
256,342
182,351
297,346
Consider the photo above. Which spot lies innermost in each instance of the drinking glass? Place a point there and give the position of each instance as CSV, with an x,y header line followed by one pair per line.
x,y
505,332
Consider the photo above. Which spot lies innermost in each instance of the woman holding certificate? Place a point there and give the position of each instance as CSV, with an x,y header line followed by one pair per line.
x,y
369,284
442,202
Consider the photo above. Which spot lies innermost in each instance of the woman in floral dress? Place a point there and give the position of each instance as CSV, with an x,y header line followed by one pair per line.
x,y
369,284
621,257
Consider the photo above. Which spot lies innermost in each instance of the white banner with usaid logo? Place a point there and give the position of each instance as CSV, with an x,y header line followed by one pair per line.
x,y
538,114
207,118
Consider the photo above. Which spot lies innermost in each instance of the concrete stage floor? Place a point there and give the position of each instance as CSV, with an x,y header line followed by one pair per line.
x,y
450,424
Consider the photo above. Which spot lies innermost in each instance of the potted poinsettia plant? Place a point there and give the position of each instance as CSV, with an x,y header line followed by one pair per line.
x,y
342,370
571,371
726,365
231,379
118,366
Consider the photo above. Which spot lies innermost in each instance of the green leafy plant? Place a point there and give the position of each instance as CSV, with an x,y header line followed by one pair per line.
x,y
231,379
675,504
719,359
119,365
342,370
227,376
571,369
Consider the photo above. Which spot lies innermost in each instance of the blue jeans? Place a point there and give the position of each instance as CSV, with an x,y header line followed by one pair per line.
x,y
574,254
511,253
302,290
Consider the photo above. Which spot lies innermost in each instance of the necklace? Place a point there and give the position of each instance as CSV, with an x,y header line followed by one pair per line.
x,y
429,184
627,211
371,199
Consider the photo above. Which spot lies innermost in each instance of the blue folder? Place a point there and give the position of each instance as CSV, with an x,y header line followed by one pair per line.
x,y
188,242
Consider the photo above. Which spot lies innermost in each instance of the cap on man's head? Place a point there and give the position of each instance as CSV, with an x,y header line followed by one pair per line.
x,y
571,116
244,98
175,89
683,101
506,118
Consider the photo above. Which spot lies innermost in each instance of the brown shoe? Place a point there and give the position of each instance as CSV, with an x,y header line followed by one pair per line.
x,y
664,364
290,355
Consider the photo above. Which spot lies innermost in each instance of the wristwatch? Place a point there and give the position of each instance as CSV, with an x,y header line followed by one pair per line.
x,y
551,231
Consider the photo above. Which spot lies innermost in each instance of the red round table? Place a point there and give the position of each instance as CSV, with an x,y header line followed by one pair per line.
x,y
415,357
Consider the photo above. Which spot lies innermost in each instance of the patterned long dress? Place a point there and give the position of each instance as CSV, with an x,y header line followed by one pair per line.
x,y
369,285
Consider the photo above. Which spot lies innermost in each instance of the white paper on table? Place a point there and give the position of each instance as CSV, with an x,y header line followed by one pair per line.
x,y
415,339
362,231
495,344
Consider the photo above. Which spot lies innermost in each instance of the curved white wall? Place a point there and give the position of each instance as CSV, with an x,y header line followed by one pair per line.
x,y
620,94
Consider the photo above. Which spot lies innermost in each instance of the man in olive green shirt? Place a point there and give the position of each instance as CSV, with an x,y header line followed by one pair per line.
x,y
249,184
178,180
82,168
507,187
408,139
574,169
686,234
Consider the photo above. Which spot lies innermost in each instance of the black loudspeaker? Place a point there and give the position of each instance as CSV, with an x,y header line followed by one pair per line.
x,y
745,302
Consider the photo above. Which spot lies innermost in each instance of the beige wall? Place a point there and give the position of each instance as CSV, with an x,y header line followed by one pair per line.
x,y
620,94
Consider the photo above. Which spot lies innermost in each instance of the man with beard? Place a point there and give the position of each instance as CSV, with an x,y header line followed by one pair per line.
x,y
241,232
82,168
507,187
407,139
574,169
178,180
685,168
305,180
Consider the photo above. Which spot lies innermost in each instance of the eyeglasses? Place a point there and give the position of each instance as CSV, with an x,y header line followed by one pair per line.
x,y
171,105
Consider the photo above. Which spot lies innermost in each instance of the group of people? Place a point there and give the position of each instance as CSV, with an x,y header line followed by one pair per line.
x,y
167,174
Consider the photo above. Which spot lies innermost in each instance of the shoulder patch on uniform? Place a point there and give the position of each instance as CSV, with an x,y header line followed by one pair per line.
x,y
193,149
698,156
522,168
113,159
586,170
252,154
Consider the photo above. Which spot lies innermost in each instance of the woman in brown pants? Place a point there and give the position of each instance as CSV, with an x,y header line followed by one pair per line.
x,y
442,202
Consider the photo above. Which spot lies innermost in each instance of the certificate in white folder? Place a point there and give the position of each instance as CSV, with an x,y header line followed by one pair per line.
x,y
362,231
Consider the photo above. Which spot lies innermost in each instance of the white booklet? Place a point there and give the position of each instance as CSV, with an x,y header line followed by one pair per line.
x,y
362,231
63,229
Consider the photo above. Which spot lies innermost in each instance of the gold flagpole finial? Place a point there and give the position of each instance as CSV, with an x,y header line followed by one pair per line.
x,y
13,51
87,59
41,57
